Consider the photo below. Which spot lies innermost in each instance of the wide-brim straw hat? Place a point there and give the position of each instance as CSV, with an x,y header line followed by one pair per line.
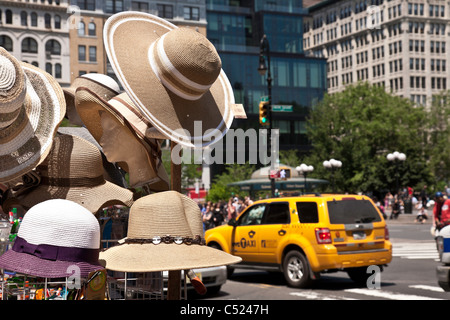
x,y
32,107
165,233
57,238
103,85
119,127
173,75
73,170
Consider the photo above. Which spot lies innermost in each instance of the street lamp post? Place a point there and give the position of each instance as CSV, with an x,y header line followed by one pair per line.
x,y
396,157
304,170
332,164
264,49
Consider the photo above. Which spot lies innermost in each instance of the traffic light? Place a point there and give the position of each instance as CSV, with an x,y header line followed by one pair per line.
x,y
263,110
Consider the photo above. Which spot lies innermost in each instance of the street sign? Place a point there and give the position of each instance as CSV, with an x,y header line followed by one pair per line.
x,y
282,108
265,98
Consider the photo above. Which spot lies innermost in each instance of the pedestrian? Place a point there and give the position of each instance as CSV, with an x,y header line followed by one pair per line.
x,y
422,215
441,211
231,210
217,218
395,209
424,196
207,218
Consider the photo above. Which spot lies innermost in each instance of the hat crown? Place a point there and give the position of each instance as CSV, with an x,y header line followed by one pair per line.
x,y
75,159
60,222
185,62
164,213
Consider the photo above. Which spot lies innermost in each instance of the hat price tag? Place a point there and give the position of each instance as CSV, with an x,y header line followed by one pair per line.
x,y
238,111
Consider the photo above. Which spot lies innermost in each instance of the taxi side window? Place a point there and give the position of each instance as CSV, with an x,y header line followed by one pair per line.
x,y
307,212
253,216
278,213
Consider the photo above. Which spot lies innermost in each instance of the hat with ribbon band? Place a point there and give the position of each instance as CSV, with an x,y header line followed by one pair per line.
x,y
173,75
57,238
165,233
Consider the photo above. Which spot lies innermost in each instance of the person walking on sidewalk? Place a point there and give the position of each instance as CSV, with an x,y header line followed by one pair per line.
x,y
441,211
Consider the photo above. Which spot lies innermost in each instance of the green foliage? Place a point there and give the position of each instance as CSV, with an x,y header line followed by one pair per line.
x,y
359,127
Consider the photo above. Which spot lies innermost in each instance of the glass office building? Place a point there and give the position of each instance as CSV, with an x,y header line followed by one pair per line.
x,y
236,28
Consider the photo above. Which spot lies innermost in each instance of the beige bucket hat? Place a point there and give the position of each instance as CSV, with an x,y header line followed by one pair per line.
x,y
103,85
73,170
119,127
165,233
173,75
32,107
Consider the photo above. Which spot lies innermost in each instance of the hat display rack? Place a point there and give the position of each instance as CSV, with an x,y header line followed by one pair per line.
x,y
61,178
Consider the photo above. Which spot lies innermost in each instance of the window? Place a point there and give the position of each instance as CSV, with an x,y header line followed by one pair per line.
x,y
81,53
307,212
9,16
191,13
81,28
92,53
278,213
6,42
114,6
48,20
253,216
352,211
86,4
165,11
58,70
48,67
139,6
23,18
34,19
29,45
53,47
92,29
57,22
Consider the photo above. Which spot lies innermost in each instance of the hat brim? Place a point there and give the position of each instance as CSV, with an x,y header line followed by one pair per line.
x,y
34,266
27,144
163,257
190,123
93,198
141,164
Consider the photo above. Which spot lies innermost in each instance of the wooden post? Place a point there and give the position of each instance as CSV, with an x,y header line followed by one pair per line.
x,y
174,284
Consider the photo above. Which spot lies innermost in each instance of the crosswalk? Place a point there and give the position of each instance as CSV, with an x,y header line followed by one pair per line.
x,y
420,250
420,293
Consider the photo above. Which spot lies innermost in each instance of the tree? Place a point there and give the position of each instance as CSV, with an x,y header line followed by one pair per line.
x,y
360,126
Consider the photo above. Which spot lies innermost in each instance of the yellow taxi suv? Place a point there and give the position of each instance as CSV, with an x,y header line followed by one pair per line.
x,y
306,236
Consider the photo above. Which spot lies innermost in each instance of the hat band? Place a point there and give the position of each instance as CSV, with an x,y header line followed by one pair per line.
x,y
172,78
56,253
83,182
167,239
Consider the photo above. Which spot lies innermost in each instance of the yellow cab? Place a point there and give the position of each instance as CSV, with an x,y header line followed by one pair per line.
x,y
308,235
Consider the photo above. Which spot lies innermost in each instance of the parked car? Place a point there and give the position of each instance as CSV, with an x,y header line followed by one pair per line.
x,y
306,236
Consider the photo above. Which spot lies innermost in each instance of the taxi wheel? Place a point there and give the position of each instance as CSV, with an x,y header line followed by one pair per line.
x,y
296,270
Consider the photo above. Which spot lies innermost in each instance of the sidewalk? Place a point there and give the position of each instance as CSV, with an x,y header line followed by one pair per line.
x,y
408,218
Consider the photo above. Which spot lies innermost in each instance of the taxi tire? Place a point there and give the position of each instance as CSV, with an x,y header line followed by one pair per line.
x,y
359,275
296,270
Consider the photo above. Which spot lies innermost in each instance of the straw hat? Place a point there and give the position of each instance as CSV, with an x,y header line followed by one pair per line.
x,y
31,108
165,233
73,170
119,127
56,237
173,75
103,85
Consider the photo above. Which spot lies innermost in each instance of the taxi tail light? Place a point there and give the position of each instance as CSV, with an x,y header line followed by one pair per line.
x,y
323,235
386,233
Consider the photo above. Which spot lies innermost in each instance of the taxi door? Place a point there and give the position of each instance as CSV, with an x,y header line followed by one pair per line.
x,y
246,233
276,227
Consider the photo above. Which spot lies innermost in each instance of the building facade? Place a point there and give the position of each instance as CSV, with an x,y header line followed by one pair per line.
x,y
38,33
401,45
236,29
